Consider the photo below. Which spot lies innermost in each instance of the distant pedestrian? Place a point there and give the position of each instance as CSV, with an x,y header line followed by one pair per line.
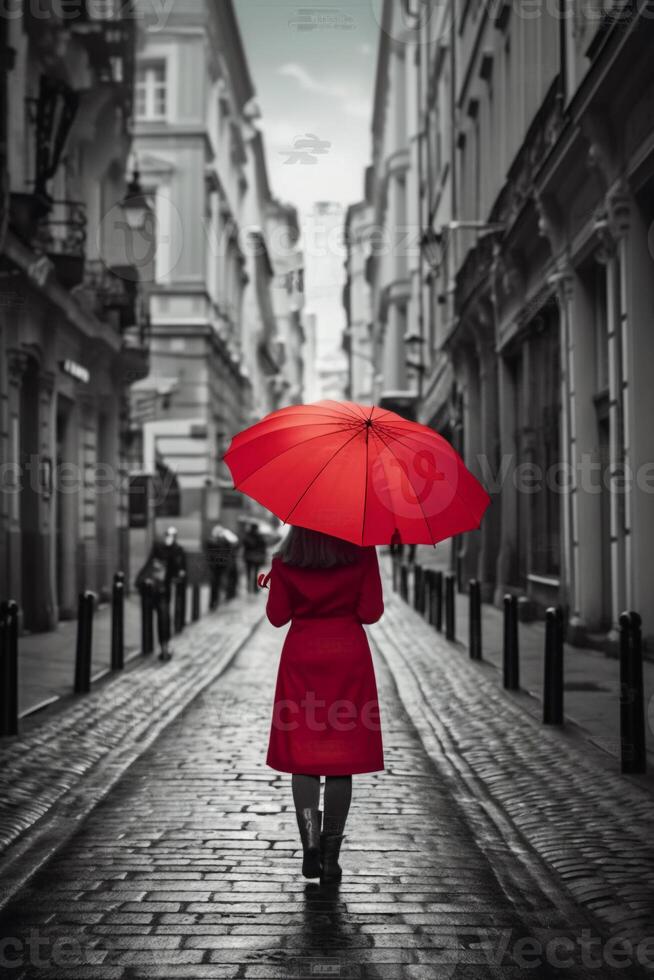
x,y
220,551
166,560
255,554
326,713
396,546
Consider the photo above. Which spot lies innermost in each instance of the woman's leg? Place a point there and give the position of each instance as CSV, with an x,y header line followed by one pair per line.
x,y
306,791
338,795
306,796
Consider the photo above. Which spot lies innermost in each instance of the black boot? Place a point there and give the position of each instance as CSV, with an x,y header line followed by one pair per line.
x,y
330,848
308,821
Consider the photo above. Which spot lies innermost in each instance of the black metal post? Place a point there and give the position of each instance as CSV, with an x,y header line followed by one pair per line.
x,y
395,566
85,610
553,686
423,590
404,582
475,620
428,603
195,603
118,622
417,572
9,668
450,607
632,711
147,616
437,600
511,649
180,602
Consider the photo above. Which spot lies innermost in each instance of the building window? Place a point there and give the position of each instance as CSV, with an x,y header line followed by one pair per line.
x,y
151,91
601,330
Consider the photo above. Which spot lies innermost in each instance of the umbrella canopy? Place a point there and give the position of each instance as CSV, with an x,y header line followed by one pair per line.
x,y
357,472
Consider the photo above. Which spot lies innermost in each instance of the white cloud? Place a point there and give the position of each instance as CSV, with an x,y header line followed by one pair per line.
x,y
359,108
352,105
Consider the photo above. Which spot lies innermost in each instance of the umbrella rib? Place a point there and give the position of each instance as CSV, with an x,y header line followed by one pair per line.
x,y
453,489
365,492
287,450
424,516
313,480
344,408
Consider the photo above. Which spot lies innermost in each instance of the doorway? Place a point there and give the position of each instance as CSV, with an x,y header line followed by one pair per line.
x,y
32,594
65,500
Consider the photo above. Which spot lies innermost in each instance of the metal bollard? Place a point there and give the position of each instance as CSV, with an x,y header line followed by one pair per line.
x,y
553,685
85,610
450,607
632,712
511,650
404,582
474,647
417,575
147,616
180,602
9,668
118,622
422,598
396,572
437,600
195,602
428,604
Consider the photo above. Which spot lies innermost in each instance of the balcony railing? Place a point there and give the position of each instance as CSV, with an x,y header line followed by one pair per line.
x,y
116,292
61,235
121,300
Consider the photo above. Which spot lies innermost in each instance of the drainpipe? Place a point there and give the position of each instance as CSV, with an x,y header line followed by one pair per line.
x,y
4,128
453,172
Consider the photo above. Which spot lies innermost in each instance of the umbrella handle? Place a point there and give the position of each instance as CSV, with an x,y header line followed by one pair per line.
x,y
262,580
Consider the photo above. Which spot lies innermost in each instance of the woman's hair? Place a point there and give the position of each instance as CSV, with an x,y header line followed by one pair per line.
x,y
313,549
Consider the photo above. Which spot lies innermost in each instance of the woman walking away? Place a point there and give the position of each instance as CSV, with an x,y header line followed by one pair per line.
x,y
326,714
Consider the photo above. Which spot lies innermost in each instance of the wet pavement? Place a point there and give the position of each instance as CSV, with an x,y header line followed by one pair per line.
x,y
190,866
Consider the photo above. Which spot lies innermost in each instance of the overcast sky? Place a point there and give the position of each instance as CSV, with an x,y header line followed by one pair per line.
x,y
313,67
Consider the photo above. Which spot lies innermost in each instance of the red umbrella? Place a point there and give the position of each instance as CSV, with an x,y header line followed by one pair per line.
x,y
357,472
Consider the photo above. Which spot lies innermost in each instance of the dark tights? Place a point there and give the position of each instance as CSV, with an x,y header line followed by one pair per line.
x,y
338,794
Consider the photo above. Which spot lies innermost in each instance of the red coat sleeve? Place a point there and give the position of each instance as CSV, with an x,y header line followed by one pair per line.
x,y
371,599
278,607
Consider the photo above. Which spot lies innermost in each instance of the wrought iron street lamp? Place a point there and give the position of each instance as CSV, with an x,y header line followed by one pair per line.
x,y
135,203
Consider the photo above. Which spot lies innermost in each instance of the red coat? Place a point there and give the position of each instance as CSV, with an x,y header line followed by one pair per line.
x,y
326,714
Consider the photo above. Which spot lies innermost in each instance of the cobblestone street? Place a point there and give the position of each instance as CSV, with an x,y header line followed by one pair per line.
x,y
453,865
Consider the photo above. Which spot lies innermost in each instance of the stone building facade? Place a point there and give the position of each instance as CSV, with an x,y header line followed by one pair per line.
x,y
216,363
73,334
535,198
